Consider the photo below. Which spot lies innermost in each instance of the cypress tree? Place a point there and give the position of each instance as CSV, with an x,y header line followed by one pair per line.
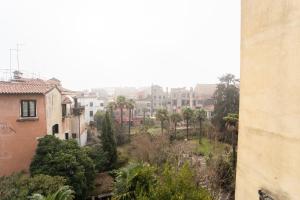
x,y
108,141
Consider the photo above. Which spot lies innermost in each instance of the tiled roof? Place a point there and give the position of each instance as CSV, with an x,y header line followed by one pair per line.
x,y
24,88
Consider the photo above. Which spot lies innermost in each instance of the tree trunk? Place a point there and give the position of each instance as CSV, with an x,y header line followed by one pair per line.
x,y
187,129
121,117
129,124
233,150
162,127
200,131
175,130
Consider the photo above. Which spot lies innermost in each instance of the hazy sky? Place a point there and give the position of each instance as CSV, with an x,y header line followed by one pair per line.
x,y
100,43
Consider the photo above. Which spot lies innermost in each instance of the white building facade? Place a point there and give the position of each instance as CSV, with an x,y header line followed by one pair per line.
x,y
92,104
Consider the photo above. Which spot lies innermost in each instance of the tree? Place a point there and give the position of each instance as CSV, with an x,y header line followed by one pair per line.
x,y
162,116
99,157
175,119
187,114
231,123
200,116
144,114
108,142
98,118
130,106
64,158
134,178
121,103
226,100
64,193
111,107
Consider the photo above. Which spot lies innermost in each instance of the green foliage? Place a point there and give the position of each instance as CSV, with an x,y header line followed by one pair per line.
x,y
226,99
162,116
231,119
20,186
187,114
56,157
175,118
99,118
64,193
200,116
134,179
121,103
99,157
108,142
148,122
176,184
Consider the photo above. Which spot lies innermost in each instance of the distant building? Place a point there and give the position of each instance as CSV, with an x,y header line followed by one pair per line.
x,y
181,97
92,104
142,108
31,109
159,99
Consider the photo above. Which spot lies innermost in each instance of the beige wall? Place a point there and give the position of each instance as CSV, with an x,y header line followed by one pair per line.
x,y
54,112
269,136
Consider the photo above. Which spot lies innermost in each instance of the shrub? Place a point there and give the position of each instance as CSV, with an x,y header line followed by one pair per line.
x,y
132,180
56,157
20,186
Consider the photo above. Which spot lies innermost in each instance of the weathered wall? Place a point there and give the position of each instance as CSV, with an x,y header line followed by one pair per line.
x,y
54,112
18,139
269,135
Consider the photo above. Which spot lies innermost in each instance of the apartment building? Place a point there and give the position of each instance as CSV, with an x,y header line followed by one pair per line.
x,y
31,109
159,99
181,97
92,105
142,108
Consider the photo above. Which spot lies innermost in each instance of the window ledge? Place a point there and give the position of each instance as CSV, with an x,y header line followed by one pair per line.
x,y
22,119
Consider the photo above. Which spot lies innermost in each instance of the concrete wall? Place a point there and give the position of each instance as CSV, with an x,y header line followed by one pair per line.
x,y
269,135
18,138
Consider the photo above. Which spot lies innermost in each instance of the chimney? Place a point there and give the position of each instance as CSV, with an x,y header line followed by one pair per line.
x,y
17,75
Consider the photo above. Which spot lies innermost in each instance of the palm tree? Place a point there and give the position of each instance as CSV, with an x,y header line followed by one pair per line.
x,y
111,107
200,116
232,123
121,103
162,116
144,114
64,193
187,114
175,119
130,106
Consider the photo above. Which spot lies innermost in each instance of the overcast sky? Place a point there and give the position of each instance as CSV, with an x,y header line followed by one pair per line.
x,y
101,43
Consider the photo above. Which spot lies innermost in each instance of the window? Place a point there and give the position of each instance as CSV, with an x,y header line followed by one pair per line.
x,y
91,113
74,135
101,105
55,129
28,108
66,136
64,110
91,104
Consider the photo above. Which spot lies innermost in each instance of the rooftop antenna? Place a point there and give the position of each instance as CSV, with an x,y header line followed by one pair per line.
x,y
18,49
10,62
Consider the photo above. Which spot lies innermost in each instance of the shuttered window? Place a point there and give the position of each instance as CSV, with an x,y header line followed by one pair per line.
x,y
28,108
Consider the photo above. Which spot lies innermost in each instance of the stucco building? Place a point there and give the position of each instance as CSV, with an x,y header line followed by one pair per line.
x,y
269,139
92,104
31,109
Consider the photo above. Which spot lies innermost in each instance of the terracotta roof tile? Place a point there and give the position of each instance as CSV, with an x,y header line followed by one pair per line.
x,y
24,88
